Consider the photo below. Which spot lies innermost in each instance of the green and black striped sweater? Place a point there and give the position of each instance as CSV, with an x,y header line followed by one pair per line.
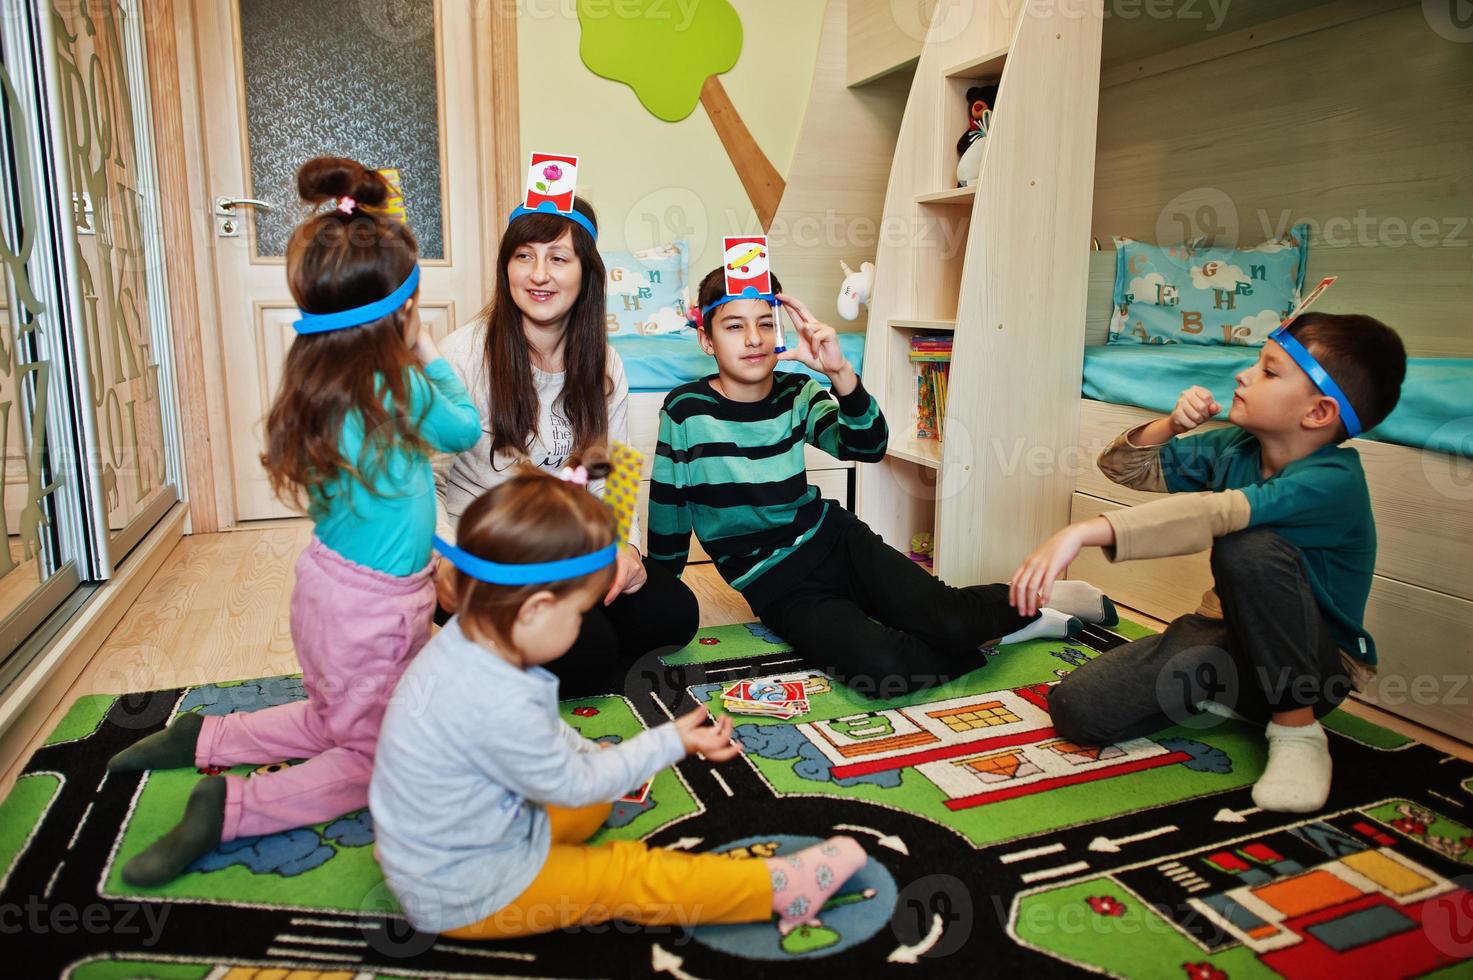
x,y
733,472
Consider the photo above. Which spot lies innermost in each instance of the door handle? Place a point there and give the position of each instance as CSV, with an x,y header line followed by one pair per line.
x,y
225,206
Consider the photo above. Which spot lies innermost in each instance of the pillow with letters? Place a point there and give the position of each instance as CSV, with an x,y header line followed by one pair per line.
x,y
647,290
1194,294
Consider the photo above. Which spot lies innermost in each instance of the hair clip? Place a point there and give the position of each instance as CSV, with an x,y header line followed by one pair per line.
x,y
578,475
346,204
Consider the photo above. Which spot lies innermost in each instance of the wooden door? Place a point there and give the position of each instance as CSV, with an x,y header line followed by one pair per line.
x,y
390,84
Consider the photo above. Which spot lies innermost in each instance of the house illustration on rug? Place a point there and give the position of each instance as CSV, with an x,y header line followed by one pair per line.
x,y
978,749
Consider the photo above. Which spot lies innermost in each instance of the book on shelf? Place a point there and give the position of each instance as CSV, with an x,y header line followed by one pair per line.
x,y
931,354
931,381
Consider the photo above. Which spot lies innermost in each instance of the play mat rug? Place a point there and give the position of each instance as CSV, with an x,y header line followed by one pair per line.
x,y
996,847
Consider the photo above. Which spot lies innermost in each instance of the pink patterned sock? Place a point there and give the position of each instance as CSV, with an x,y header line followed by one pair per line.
x,y
803,881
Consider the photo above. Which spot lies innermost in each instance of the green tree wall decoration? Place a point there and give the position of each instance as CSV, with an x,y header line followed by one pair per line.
x,y
672,54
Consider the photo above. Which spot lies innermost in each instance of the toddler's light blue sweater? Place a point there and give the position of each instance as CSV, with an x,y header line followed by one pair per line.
x,y
471,753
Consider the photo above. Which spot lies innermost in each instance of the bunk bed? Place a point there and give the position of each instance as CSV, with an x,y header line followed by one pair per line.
x,y
1355,117
1379,172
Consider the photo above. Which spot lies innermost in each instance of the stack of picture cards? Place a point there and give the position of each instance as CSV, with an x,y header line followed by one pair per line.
x,y
769,699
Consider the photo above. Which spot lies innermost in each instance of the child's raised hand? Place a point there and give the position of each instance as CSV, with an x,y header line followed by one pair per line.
x,y
712,741
818,343
1195,406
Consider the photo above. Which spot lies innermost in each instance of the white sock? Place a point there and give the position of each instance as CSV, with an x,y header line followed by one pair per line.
x,y
1078,598
1051,624
1297,777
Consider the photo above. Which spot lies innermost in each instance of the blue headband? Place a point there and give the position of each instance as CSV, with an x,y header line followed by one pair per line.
x,y
546,207
749,293
534,573
356,317
1319,376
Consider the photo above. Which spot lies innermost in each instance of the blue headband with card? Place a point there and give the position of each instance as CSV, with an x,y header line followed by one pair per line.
x,y
552,185
1317,373
748,275
748,292
311,323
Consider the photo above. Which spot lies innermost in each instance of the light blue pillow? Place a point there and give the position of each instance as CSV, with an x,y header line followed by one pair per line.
x,y
1190,294
647,291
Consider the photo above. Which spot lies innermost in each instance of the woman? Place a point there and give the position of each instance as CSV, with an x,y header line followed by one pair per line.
x,y
549,386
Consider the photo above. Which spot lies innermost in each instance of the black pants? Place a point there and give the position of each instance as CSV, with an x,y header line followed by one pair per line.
x,y
1271,651
663,615
879,623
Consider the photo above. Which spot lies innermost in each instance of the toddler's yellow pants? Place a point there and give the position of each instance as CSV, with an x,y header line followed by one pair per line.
x,y
626,880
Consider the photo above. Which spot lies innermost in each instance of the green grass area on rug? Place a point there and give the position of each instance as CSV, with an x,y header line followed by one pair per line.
x,y
717,643
82,718
21,812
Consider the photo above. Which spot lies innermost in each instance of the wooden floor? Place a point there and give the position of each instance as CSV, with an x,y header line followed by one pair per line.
x,y
219,609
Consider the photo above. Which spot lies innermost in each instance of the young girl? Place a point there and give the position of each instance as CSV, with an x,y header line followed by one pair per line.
x,y
483,806
544,376
364,398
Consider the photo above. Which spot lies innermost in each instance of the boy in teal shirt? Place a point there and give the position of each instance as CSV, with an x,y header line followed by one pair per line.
x,y
1285,509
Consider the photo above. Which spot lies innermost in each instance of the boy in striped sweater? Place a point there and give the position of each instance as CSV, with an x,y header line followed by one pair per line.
x,y
729,466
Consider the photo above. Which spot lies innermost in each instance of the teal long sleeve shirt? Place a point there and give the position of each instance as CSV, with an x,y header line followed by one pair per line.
x,y
735,474
387,523
1320,504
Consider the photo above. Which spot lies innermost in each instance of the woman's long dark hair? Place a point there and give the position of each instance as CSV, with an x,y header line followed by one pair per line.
x,y
584,398
338,260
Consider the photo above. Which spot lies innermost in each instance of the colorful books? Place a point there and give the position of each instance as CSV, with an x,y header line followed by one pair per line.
x,y
931,354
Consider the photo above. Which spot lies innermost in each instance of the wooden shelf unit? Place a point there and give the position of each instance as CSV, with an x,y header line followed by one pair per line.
x,y
1001,265
988,67
924,326
902,376
956,195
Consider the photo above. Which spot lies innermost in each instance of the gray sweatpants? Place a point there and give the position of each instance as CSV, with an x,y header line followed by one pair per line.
x,y
1271,651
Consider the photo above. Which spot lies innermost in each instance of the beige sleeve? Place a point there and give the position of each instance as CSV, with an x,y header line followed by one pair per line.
x,y
1181,524
1136,467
